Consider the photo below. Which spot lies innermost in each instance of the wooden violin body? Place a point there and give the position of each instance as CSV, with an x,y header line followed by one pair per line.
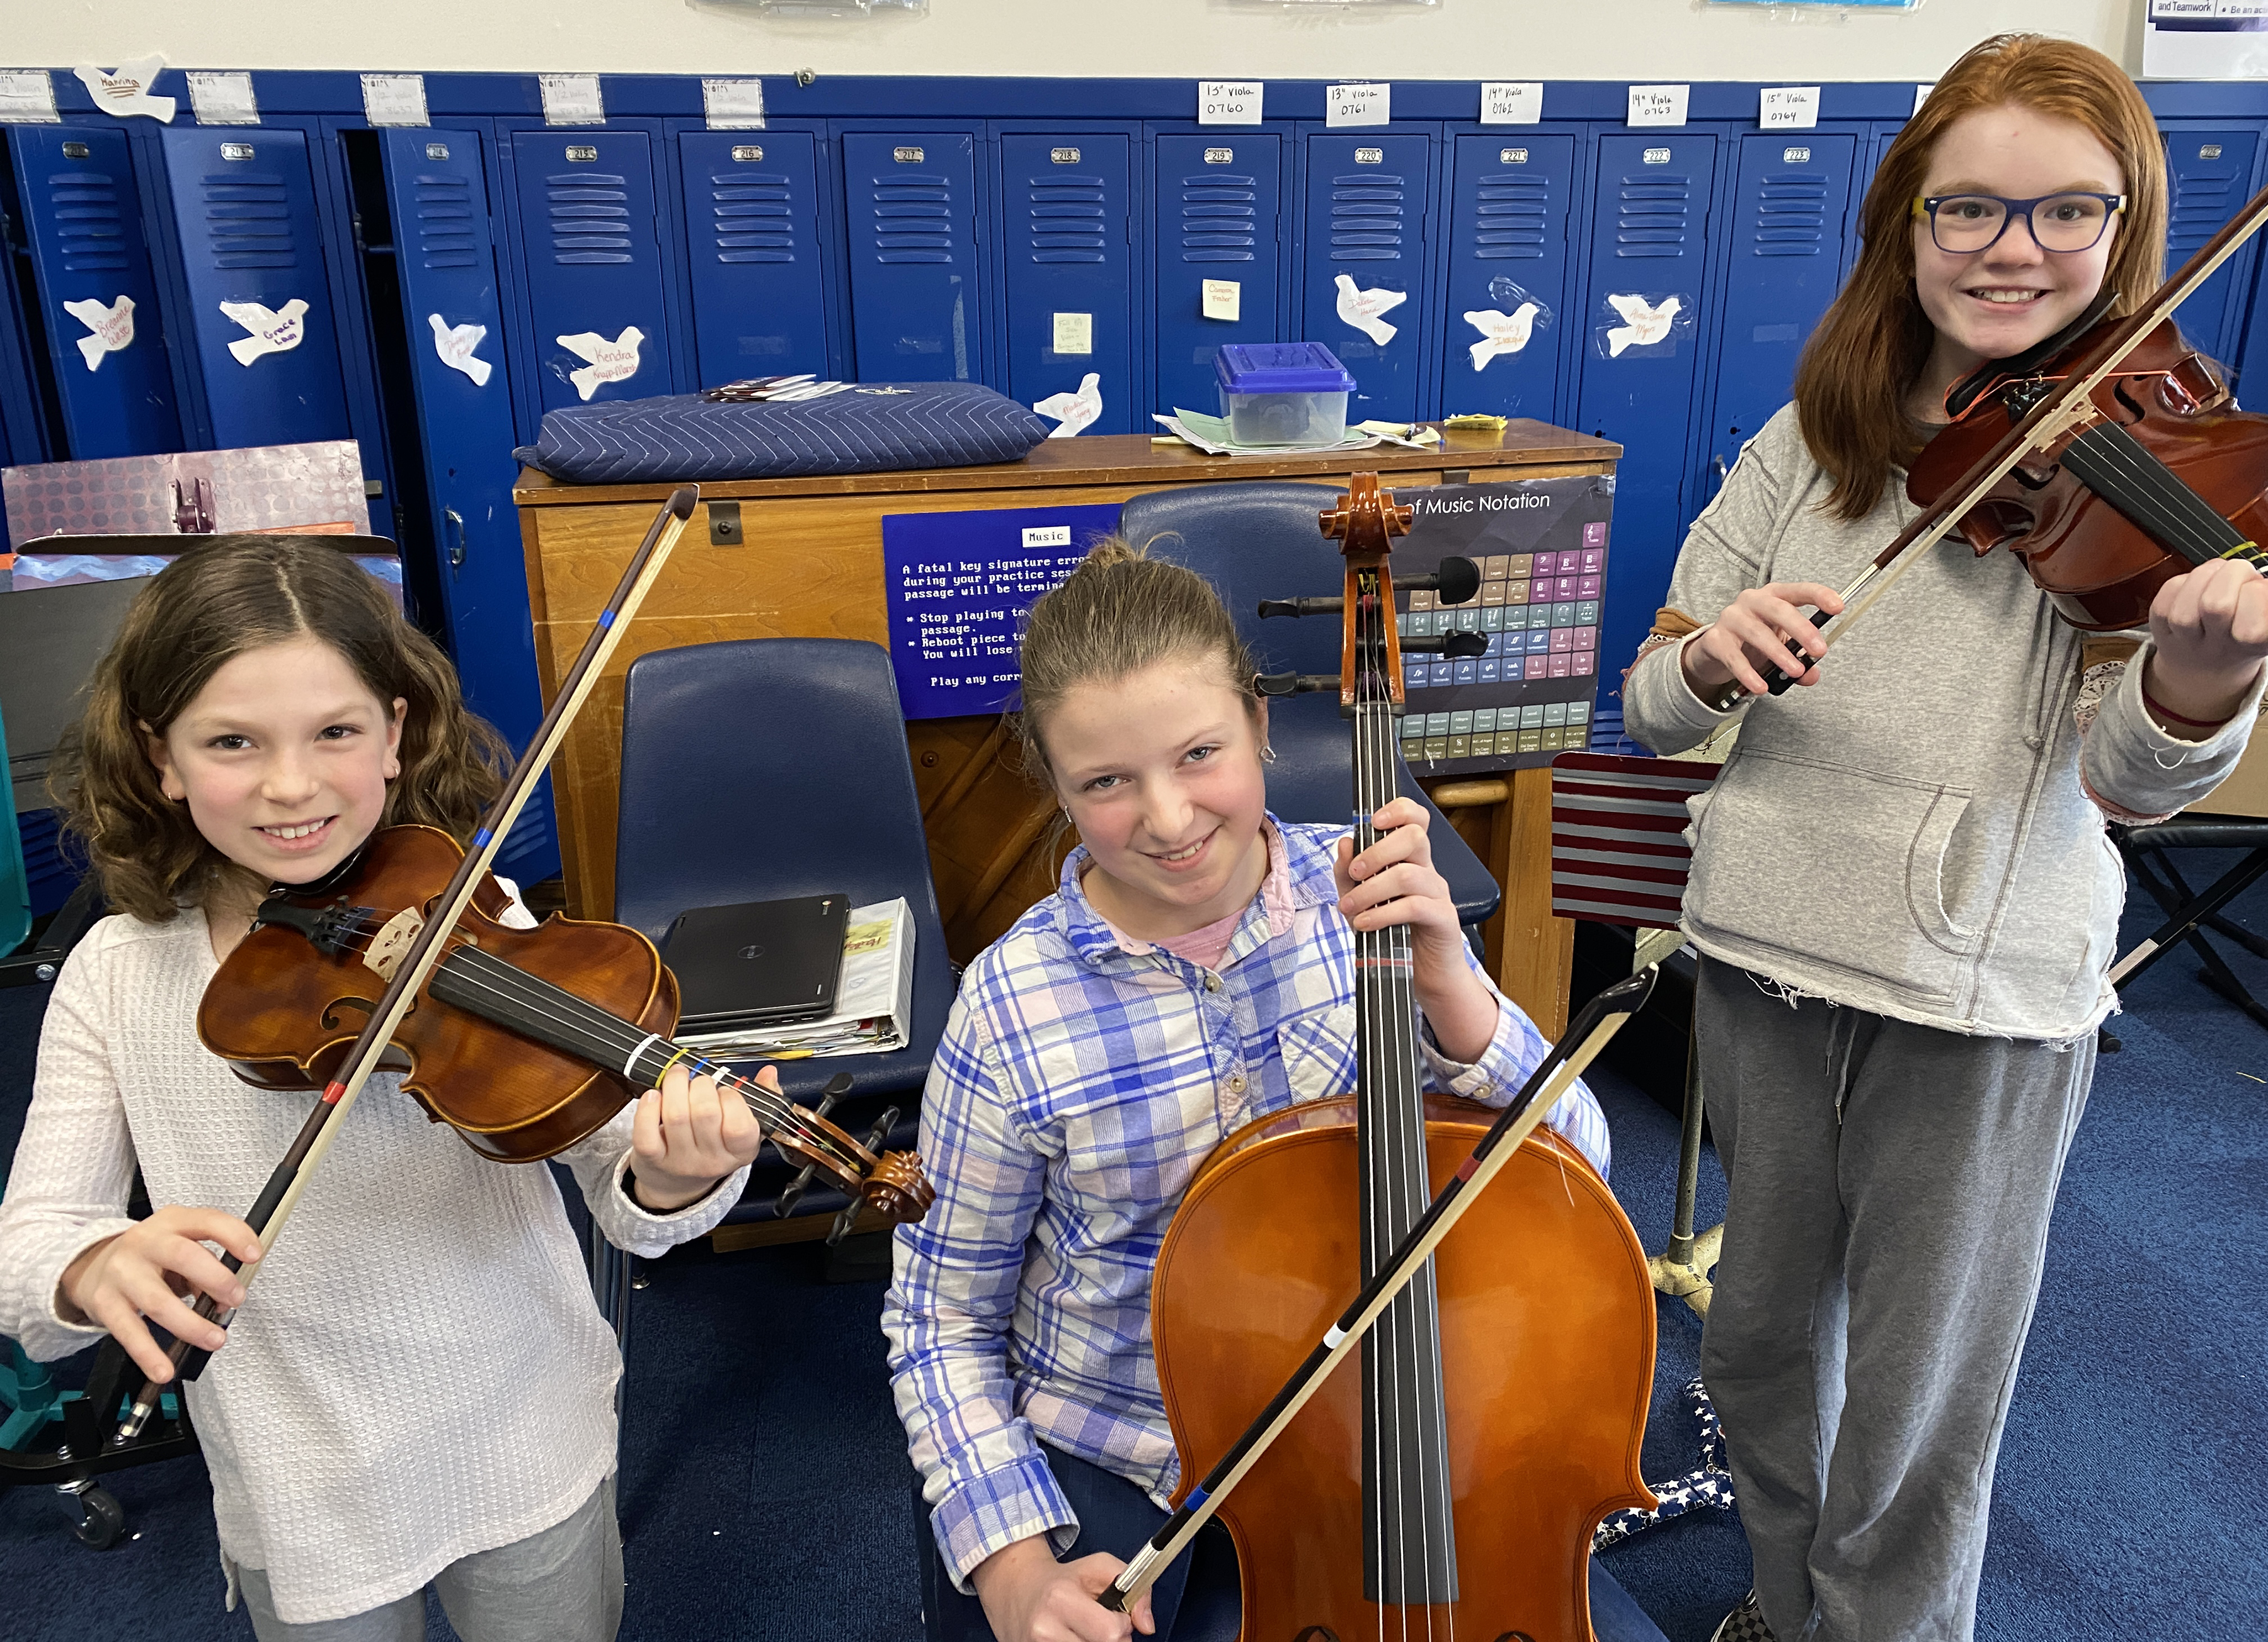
x,y
1547,1341
2091,516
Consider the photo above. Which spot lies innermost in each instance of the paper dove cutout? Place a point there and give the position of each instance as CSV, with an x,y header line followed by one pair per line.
x,y
1074,411
125,90
609,361
1361,308
1642,325
1501,332
455,345
274,330
112,327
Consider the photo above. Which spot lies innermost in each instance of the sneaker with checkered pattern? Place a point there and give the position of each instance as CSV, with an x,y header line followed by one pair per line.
x,y
1744,1624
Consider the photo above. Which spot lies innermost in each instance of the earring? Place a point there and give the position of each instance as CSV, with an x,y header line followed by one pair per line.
x,y
1267,755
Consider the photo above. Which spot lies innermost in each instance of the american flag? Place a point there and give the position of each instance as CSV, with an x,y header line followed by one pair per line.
x,y
1618,851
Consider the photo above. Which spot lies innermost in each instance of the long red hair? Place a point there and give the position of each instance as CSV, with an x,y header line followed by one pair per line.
x,y
1863,358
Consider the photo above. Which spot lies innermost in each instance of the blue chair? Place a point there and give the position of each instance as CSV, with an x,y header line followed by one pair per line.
x,y
764,769
1254,542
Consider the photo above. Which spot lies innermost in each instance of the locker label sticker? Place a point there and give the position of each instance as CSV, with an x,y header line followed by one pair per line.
x,y
734,105
1074,412
1787,108
395,100
1512,102
614,361
572,99
1370,103
1363,309
1651,322
109,328
28,96
1074,332
124,90
223,99
1228,102
273,330
1223,299
1658,105
455,344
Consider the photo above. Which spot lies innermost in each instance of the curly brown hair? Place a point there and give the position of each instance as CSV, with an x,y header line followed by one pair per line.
x,y
216,601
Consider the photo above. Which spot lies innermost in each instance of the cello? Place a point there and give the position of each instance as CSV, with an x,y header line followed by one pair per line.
x,y
1456,1481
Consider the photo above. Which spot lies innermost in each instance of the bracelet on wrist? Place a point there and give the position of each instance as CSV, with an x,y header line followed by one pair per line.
x,y
2159,709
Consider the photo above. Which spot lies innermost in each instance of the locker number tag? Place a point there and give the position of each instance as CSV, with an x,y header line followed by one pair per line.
x,y
111,328
274,330
1228,102
1512,102
1074,334
1658,105
395,100
613,361
125,90
1787,108
455,344
1370,103
1223,299
29,95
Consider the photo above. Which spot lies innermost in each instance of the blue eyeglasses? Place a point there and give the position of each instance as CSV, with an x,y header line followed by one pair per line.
x,y
1963,223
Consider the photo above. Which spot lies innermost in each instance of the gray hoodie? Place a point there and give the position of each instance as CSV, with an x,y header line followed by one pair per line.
x,y
1911,835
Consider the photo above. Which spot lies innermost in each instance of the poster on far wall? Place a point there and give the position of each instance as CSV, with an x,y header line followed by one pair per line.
x,y
2206,39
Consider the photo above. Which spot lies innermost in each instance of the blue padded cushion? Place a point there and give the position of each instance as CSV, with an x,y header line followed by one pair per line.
x,y
861,429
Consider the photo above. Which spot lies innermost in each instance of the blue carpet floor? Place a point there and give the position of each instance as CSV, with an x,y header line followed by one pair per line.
x,y
764,1492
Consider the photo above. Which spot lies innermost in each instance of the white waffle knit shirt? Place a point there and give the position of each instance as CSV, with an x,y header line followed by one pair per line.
x,y
420,1372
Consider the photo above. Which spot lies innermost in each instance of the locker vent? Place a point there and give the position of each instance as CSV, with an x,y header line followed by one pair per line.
x,y
755,216
1509,213
1367,217
89,228
1654,216
913,216
447,233
2201,205
1220,219
1792,214
590,218
1067,218
248,220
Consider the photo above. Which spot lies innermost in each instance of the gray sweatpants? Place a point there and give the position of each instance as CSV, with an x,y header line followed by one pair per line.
x,y
563,1585
1889,1213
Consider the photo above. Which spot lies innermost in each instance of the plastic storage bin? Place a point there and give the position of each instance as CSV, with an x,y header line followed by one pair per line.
x,y
1283,393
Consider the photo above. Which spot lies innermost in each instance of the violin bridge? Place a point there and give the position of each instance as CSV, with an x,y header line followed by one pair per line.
x,y
391,944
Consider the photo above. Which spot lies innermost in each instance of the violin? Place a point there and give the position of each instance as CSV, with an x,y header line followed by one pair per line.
x,y
1456,1480
525,1041
2087,464
2161,473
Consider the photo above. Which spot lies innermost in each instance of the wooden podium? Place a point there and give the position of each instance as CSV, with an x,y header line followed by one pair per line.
x,y
803,558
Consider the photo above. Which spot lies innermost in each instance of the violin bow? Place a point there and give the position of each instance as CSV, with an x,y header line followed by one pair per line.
x,y
281,1195
2054,415
1590,1033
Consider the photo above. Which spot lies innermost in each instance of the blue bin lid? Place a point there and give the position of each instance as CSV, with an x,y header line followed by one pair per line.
x,y
1280,368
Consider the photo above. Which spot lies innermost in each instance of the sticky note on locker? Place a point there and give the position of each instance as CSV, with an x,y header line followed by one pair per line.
x,y
1223,299
1074,334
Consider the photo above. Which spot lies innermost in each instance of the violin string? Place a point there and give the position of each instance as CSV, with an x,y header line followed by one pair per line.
x,y
609,1032
2206,531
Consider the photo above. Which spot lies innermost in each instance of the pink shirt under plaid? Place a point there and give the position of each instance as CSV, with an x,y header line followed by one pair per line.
x,y
1081,1080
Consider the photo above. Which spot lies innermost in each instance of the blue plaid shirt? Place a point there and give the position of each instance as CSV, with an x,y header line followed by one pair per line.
x,y
1079,1084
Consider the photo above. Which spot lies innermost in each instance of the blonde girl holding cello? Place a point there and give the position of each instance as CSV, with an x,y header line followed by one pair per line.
x,y
1902,891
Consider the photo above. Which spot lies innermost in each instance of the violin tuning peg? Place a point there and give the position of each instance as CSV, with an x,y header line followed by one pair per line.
x,y
837,1087
792,1194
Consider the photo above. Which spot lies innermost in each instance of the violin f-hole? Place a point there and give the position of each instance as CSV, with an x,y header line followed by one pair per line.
x,y
1317,1633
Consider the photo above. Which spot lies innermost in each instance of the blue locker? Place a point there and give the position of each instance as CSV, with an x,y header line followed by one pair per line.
x,y
1788,208
22,439
2212,175
446,259
915,308
97,290
1507,289
590,243
1649,246
260,306
1066,207
752,229
1363,280
1220,199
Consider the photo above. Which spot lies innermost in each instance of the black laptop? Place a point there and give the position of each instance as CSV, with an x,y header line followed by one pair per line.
x,y
759,963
